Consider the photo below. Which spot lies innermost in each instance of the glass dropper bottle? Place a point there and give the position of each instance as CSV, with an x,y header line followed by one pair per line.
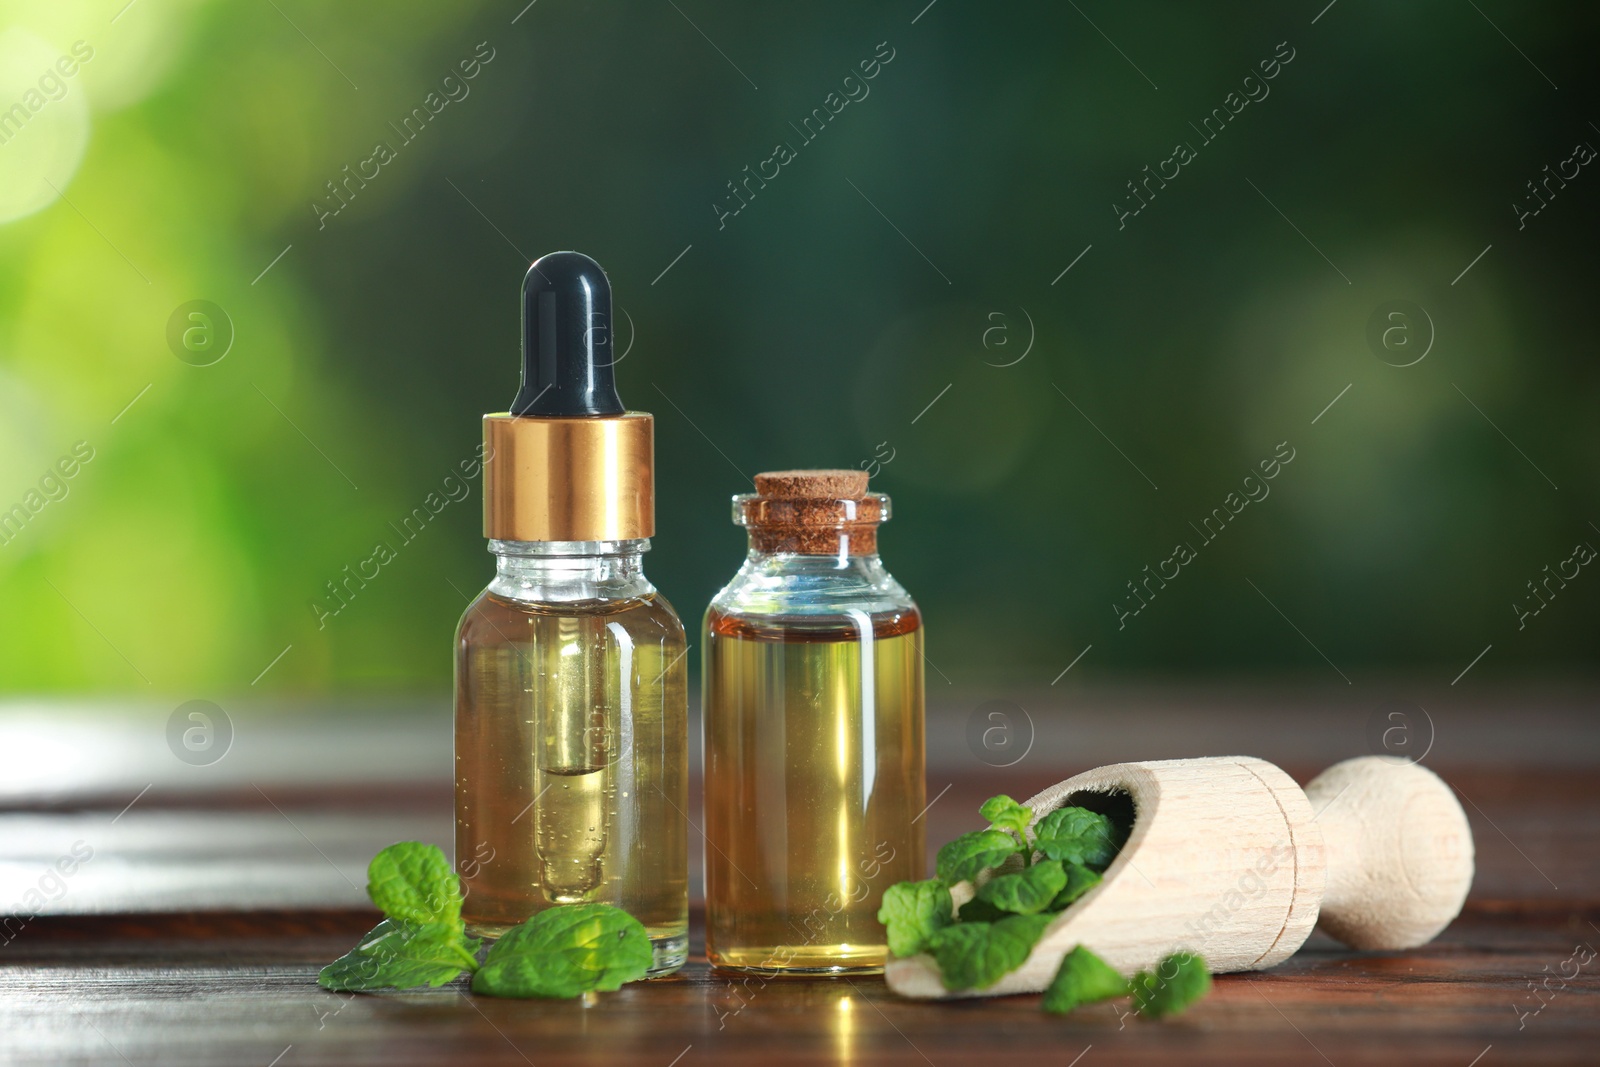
x,y
571,710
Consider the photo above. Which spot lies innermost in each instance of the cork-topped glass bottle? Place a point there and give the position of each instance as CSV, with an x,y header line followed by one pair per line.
x,y
814,758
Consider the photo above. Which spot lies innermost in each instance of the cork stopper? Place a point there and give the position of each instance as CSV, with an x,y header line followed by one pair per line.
x,y
812,513
812,485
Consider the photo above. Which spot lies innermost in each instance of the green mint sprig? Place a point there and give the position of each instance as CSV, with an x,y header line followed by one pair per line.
x,y
561,952
996,930
423,941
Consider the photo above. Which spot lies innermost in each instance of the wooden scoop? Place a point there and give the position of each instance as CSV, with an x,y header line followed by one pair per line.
x,y
1231,859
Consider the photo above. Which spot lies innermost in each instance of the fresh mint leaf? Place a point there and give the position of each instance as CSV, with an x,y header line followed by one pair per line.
x,y
1004,813
566,951
1077,835
912,911
1080,880
413,883
1178,981
1027,892
400,955
1084,978
963,858
976,955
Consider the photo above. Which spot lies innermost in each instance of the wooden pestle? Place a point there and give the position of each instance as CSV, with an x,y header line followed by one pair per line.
x,y
1229,858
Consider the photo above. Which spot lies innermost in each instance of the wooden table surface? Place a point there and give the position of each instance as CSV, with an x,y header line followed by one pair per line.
x,y
194,932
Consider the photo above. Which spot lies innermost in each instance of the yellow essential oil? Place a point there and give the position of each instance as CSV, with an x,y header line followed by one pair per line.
x,y
815,772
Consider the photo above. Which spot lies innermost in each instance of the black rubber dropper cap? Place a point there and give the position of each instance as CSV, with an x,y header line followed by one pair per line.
x,y
566,339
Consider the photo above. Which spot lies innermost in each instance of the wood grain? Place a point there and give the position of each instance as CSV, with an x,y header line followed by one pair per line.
x,y
154,962
207,991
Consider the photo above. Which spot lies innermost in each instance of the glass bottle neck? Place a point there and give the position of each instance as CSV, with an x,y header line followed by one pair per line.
x,y
818,562
569,571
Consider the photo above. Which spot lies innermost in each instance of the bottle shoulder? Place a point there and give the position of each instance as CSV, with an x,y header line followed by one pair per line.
x,y
497,619
783,585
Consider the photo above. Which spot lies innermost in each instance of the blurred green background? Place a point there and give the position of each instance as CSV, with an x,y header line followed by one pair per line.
x,y
904,258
